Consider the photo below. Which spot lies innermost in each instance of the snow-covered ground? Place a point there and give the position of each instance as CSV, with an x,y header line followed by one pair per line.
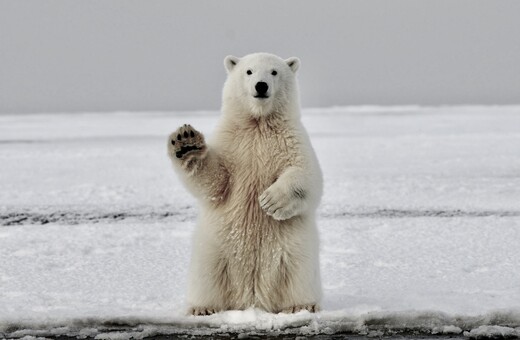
x,y
419,225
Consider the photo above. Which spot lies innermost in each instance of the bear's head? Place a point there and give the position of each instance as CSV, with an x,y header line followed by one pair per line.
x,y
260,84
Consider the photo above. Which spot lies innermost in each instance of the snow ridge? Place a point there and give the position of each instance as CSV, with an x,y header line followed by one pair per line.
x,y
45,215
256,322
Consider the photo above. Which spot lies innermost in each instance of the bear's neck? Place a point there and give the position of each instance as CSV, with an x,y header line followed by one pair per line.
x,y
271,122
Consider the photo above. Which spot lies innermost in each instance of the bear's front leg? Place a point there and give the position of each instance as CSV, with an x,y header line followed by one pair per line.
x,y
202,170
287,196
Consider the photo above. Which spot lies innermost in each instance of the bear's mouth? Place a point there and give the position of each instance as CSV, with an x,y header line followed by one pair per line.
x,y
261,96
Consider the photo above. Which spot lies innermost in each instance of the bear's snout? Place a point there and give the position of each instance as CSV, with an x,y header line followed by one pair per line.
x,y
261,89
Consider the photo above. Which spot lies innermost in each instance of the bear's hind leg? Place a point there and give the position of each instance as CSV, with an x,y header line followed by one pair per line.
x,y
290,279
301,290
209,285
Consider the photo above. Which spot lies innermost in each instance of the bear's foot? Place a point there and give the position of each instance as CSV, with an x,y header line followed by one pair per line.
x,y
295,309
186,143
199,311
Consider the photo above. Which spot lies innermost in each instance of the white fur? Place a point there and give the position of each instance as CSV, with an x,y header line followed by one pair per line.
x,y
259,184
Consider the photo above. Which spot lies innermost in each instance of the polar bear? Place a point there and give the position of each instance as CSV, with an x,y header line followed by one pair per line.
x,y
258,183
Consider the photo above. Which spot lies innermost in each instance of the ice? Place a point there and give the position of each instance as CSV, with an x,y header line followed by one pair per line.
x,y
419,225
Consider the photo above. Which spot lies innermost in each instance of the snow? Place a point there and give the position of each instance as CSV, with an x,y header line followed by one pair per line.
x,y
419,225
493,332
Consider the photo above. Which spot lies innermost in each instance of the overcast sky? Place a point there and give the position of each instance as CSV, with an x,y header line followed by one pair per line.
x,y
101,55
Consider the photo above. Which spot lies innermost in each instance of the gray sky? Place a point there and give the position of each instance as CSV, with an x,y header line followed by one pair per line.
x,y
101,55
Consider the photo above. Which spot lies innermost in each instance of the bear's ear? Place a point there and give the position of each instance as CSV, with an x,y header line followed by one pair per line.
x,y
294,63
230,62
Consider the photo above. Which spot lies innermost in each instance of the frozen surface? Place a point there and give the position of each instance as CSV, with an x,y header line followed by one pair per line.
x,y
419,225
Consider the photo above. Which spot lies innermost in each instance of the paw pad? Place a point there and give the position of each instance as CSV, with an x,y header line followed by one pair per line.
x,y
186,140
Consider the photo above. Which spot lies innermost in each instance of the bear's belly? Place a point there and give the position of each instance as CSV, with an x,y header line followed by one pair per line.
x,y
247,225
254,244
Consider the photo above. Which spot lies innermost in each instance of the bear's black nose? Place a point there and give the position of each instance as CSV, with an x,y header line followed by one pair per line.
x,y
261,87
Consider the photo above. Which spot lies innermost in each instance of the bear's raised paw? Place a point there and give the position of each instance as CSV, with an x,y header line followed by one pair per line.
x,y
186,141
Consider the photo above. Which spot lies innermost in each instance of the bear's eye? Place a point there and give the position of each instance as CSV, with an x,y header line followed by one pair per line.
x,y
274,73
249,72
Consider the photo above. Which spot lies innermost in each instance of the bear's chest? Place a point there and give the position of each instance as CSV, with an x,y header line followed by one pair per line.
x,y
259,156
